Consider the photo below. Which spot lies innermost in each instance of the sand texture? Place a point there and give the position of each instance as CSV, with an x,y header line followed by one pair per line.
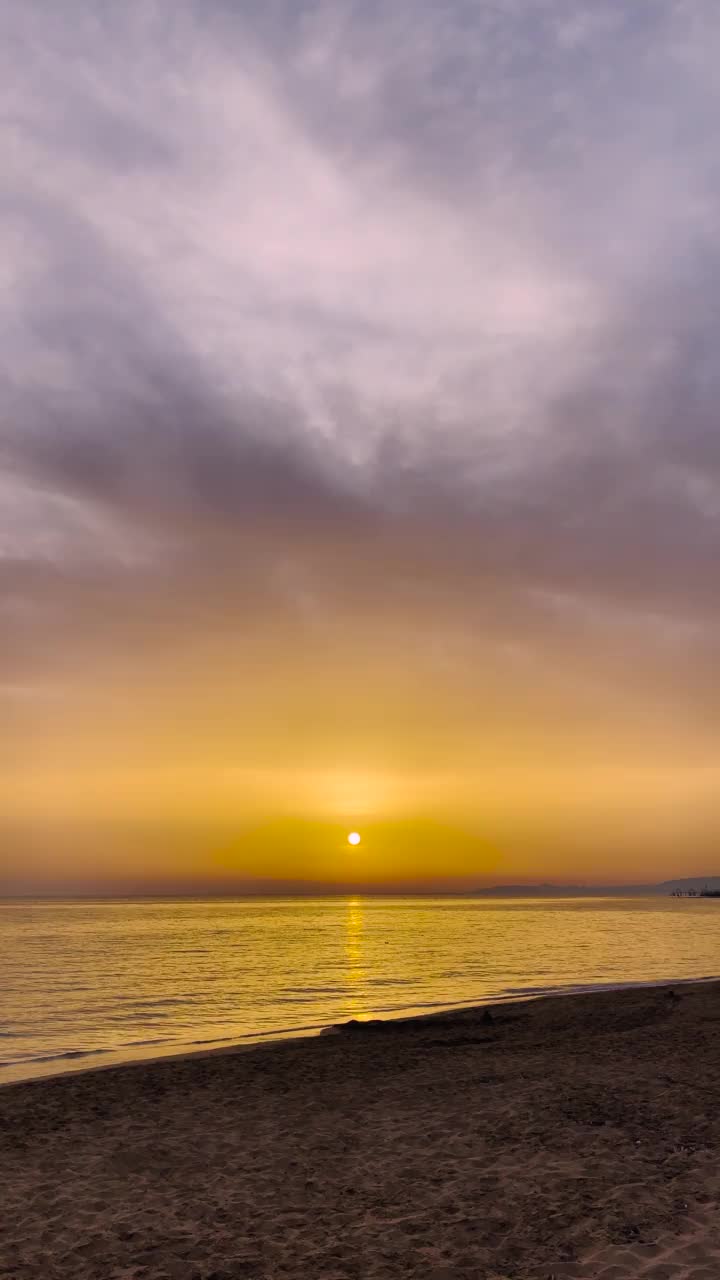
x,y
571,1137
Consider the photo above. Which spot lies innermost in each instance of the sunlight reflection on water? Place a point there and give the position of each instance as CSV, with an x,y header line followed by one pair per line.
x,y
118,978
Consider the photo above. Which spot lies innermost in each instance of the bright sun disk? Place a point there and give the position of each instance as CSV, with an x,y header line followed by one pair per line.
x,y
354,838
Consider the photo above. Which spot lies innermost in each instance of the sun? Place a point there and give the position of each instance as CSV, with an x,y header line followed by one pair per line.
x,y
354,837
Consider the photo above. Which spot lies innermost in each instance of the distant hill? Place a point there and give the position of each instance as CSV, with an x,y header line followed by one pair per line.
x,y
549,890
693,882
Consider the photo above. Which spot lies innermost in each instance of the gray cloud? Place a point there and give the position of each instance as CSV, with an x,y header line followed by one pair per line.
x,y
336,306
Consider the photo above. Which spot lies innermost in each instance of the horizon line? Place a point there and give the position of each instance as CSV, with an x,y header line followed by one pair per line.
x,y
308,889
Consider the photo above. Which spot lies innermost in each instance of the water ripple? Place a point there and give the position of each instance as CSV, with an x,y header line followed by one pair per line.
x,y
85,979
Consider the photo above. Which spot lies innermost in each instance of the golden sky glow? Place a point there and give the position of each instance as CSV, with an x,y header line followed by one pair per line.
x,y
358,460
179,786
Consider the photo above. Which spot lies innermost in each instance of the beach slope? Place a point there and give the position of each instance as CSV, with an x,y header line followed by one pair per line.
x,y
577,1136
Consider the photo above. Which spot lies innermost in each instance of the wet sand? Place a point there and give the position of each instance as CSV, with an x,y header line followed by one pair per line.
x,y
576,1137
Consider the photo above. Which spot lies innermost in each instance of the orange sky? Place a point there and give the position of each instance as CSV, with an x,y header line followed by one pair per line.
x,y
230,763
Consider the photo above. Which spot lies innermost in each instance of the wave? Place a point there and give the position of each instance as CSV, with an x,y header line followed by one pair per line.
x,y
127,1049
158,1002
53,1057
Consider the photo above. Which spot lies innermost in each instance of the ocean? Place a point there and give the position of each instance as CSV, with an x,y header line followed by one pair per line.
x,y
87,983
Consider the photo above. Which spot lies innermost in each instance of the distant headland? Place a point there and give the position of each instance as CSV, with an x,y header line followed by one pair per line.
x,y
693,886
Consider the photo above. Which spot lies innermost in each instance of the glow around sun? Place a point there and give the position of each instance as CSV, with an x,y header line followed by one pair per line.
x,y
354,837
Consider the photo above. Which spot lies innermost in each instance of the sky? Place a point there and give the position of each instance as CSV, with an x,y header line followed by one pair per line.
x,y
359,455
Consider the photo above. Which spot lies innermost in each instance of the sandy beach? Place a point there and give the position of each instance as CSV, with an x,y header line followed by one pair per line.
x,y
571,1137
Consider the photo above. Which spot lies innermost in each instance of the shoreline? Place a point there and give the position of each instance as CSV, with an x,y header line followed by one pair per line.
x,y
573,1137
259,1040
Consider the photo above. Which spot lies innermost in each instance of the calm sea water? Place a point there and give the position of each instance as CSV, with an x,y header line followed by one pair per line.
x,y
85,983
